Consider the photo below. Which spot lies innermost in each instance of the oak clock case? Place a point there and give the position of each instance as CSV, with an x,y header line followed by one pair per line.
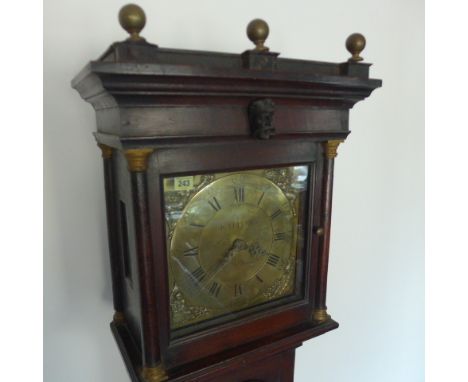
x,y
218,172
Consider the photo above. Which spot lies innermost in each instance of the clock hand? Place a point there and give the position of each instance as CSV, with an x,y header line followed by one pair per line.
x,y
237,246
256,250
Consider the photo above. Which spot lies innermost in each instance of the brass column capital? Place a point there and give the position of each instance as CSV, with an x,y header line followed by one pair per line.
x,y
331,148
321,315
154,374
119,318
137,159
106,151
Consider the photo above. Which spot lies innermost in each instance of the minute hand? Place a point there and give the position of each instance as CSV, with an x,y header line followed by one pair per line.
x,y
236,247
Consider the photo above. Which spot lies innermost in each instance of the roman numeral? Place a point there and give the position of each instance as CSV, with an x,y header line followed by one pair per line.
x,y
276,214
258,278
239,194
191,252
214,289
199,274
261,198
214,203
280,236
237,290
273,260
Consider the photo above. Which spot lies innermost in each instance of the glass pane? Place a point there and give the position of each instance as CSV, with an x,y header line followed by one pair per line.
x,y
234,241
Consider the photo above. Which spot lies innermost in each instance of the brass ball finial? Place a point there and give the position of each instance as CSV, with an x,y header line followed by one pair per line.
x,y
132,18
257,32
355,44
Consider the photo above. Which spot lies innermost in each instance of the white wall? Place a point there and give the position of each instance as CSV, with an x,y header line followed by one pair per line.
x,y
376,267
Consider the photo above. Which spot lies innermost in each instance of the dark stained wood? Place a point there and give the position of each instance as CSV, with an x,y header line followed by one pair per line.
x,y
327,194
112,233
315,219
191,109
276,367
230,361
130,285
189,157
129,349
130,52
198,121
249,153
150,335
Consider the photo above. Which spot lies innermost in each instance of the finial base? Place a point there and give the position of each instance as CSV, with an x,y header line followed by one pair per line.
x,y
355,59
136,39
259,60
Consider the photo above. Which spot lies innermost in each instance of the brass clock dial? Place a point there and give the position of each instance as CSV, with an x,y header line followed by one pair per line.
x,y
233,246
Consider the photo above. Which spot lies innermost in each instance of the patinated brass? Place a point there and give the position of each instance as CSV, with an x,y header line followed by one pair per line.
x,y
154,374
257,32
321,315
319,231
132,18
119,318
234,244
331,148
137,159
355,44
106,151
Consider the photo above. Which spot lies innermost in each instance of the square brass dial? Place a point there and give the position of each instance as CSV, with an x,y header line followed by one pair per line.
x,y
234,240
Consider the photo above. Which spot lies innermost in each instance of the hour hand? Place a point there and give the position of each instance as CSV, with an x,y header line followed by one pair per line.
x,y
237,246
256,250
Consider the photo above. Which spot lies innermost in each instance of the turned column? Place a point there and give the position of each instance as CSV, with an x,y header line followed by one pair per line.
x,y
330,153
152,370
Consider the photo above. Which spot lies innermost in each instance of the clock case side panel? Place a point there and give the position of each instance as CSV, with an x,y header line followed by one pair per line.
x,y
113,230
226,156
129,275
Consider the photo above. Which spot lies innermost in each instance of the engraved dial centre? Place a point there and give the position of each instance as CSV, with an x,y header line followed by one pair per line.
x,y
238,230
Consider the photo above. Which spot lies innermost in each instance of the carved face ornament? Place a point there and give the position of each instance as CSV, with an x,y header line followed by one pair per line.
x,y
261,118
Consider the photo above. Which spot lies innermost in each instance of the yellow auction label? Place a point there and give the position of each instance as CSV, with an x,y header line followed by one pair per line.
x,y
183,183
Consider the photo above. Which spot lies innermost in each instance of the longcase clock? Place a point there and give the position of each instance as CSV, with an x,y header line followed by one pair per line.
x,y
218,178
